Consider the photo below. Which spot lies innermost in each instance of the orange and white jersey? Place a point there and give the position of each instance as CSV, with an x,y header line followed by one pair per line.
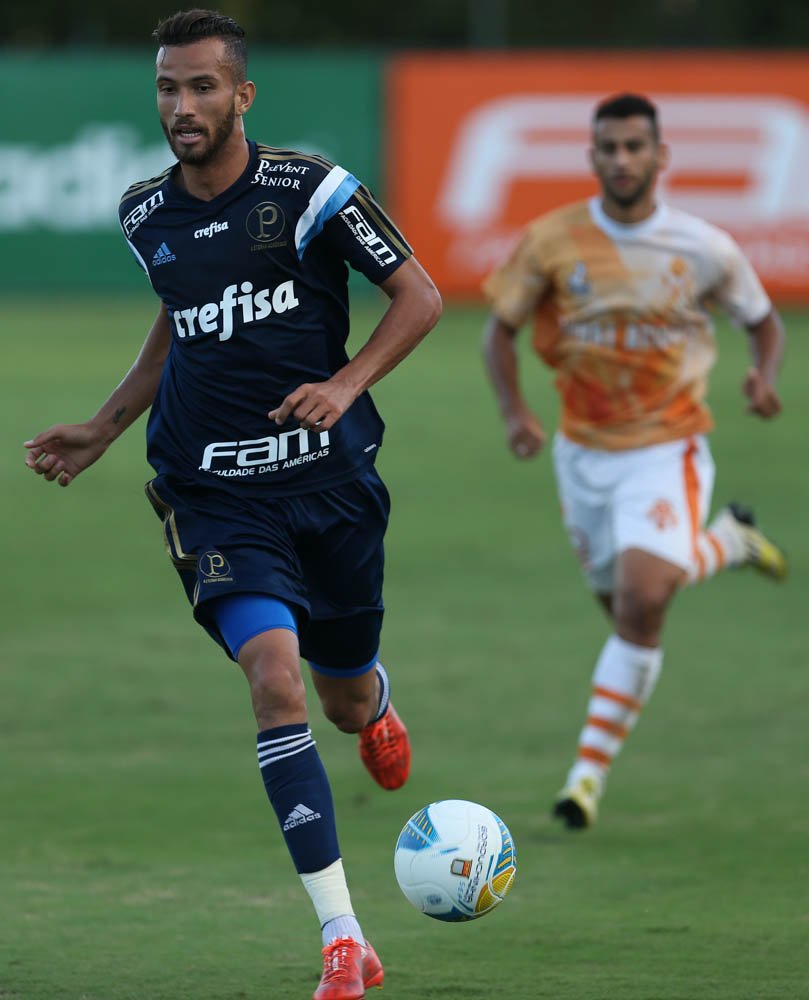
x,y
622,314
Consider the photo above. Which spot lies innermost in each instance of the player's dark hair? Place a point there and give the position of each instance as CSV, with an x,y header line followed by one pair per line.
x,y
628,106
189,26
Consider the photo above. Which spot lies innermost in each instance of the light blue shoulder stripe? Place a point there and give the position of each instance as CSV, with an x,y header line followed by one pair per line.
x,y
330,195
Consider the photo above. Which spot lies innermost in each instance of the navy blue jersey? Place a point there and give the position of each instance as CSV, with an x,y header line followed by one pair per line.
x,y
255,282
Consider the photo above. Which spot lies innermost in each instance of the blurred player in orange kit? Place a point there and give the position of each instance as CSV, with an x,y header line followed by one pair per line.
x,y
618,288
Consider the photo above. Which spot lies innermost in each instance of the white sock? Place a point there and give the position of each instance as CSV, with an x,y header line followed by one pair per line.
x,y
342,927
329,894
720,545
623,681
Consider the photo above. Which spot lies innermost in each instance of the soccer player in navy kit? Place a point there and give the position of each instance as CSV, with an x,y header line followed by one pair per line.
x,y
263,436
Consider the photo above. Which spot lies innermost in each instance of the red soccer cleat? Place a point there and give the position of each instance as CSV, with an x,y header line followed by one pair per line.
x,y
349,968
385,750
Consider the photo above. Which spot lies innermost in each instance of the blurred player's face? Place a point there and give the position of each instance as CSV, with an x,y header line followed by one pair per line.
x,y
627,158
198,101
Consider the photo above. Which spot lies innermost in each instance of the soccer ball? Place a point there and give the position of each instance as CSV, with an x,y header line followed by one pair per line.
x,y
455,860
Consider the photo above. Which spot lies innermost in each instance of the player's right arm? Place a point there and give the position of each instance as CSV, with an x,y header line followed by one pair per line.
x,y
524,432
64,450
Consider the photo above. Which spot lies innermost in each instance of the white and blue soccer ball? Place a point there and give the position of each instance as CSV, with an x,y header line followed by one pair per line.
x,y
455,860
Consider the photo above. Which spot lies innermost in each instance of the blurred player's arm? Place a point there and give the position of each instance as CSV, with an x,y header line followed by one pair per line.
x,y
524,432
414,309
64,450
767,349
742,295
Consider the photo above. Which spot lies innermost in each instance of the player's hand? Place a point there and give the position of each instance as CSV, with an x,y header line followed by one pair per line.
x,y
764,400
314,405
525,434
63,451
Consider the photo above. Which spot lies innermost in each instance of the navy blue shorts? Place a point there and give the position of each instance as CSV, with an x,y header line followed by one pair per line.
x,y
322,553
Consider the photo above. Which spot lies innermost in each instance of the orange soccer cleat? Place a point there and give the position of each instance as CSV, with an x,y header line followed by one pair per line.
x,y
349,968
385,750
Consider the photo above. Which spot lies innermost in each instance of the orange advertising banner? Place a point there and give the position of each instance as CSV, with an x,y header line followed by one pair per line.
x,y
481,144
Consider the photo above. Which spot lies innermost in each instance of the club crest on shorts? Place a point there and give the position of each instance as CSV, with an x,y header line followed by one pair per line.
x,y
662,515
214,568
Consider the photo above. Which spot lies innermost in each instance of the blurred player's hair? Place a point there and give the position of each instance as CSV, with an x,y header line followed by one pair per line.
x,y
628,106
189,26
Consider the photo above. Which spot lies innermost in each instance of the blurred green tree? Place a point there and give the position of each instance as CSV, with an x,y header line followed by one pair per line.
x,y
453,24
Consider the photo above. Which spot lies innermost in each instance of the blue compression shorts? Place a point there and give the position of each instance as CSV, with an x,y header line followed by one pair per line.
x,y
241,617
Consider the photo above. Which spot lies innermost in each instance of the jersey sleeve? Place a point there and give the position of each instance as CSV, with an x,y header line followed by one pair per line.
x,y
364,236
740,291
514,289
137,203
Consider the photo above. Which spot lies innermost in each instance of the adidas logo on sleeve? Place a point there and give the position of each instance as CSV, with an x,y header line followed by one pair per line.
x,y
163,255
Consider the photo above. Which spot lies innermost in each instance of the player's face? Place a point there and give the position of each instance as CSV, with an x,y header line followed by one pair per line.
x,y
197,99
627,157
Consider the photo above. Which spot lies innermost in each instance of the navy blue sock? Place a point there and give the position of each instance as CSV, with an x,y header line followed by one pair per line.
x,y
299,791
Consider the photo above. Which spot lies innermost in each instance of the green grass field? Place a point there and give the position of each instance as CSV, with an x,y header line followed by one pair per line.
x,y
139,859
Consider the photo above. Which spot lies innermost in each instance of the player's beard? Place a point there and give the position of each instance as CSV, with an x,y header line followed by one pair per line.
x,y
631,198
199,156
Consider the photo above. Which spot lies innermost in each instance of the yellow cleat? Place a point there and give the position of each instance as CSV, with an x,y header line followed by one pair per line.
x,y
577,804
760,553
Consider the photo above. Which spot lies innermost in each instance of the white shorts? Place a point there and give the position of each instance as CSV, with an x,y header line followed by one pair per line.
x,y
655,499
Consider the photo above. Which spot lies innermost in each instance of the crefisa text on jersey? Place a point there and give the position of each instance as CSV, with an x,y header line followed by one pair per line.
x,y
209,231
254,307
278,174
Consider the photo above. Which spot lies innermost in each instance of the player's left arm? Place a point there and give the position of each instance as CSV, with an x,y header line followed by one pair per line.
x,y
741,293
767,349
414,309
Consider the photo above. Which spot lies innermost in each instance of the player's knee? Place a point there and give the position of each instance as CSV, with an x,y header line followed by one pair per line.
x,y
348,714
642,608
276,691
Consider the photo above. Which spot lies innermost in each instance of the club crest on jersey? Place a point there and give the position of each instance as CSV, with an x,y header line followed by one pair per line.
x,y
678,284
233,308
265,224
578,283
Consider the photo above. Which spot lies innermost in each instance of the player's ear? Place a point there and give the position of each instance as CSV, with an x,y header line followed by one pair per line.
x,y
663,156
245,95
